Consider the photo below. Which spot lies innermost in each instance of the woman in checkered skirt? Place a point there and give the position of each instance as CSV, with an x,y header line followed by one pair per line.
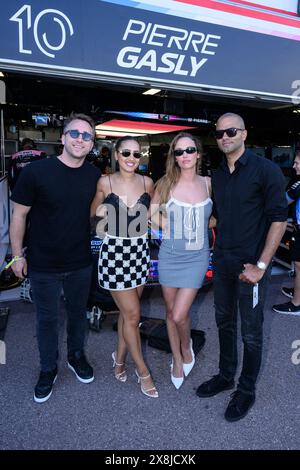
x,y
124,255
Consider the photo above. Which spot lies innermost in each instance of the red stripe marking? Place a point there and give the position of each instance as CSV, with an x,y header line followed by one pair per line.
x,y
144,126
236,10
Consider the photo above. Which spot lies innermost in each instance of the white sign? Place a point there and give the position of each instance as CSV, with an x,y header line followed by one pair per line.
x,y
2,352
2,92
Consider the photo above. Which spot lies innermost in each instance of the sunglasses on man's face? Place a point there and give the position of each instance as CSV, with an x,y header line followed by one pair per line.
x,y
126,153
231,132
188,150
74,134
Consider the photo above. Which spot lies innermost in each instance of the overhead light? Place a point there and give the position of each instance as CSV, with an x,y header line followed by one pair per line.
x,y
115,133
151,91
281,106
1,74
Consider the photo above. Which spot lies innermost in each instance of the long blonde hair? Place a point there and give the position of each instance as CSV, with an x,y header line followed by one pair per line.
x,y
170,179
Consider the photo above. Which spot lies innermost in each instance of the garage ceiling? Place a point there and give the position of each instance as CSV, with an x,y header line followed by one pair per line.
x,y
28,94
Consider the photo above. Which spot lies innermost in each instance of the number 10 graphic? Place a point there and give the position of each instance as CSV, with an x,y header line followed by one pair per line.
x,y
24,17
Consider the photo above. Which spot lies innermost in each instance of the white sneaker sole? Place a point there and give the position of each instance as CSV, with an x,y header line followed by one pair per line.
x,y
85,381
287,313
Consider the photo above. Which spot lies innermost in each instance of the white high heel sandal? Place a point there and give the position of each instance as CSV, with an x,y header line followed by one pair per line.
x,y
121,376
187,367
144,390
176,381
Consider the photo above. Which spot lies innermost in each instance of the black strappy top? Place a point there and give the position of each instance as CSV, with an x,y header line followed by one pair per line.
x,y
125,221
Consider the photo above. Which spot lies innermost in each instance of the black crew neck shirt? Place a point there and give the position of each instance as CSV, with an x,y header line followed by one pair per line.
x,y
59,218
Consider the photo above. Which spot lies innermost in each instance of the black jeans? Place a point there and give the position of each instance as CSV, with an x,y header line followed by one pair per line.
x,y
46,290
231,295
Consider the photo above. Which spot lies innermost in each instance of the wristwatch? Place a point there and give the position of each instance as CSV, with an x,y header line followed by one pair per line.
x,y
261,265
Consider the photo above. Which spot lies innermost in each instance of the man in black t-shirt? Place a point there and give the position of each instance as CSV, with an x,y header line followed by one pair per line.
x,y
56,194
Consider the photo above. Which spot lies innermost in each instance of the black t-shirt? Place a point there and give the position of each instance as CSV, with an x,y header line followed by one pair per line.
x,y
59,219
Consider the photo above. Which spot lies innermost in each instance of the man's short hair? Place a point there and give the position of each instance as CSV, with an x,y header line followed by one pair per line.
x,y
236,116
82,117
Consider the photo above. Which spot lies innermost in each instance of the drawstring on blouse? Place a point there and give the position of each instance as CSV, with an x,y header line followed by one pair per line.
x,y
191,222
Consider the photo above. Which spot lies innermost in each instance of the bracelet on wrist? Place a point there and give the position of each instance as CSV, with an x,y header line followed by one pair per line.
x,y
14,259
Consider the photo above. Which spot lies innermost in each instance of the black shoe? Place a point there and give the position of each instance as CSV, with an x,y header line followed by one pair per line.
x,y
81,368
43,388
8,280
288,308
214,386
239,406
288,292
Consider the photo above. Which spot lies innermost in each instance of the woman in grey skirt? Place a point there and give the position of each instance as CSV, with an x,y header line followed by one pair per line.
x,y
184,252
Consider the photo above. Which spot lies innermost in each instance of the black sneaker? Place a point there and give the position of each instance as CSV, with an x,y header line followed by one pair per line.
x,y
288,292
239,406
8,280
43,388
288,308
214,386
81,368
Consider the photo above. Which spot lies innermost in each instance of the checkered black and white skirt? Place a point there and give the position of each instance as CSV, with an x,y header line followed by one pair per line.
x,y
123,262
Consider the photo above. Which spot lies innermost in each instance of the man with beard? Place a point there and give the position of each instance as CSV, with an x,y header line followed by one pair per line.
x,y
251,213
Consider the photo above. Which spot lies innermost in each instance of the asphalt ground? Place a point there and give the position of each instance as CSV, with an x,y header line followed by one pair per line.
x,y
109,415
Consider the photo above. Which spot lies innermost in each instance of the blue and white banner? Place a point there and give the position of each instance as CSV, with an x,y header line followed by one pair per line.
x,y
251,48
